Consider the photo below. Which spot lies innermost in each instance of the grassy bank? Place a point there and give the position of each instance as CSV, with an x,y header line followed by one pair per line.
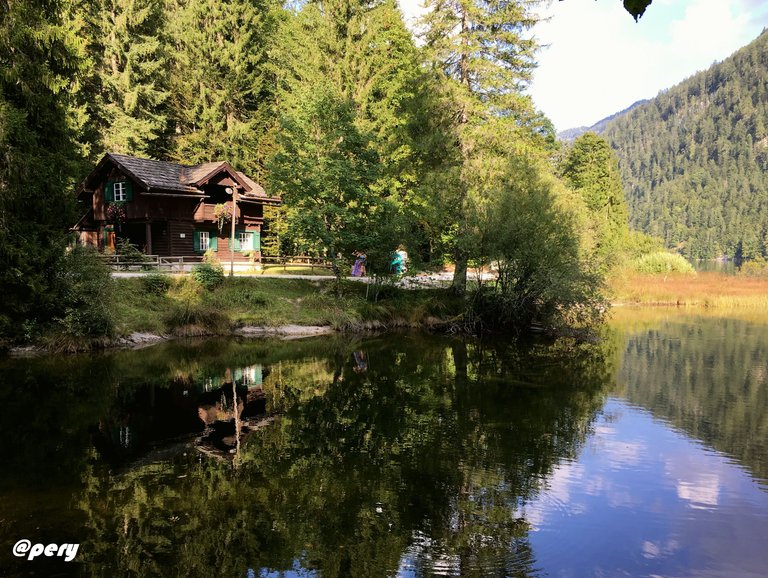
x,y
702,290
183,307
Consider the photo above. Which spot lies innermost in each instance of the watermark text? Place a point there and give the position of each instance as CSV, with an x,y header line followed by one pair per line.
x,y
26,549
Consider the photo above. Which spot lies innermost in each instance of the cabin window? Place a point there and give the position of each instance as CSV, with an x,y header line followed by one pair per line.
x,y
245,241
118,191
203,241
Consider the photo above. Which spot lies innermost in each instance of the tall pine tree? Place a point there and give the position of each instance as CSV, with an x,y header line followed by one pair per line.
x,y
223,82
129,75
41,66
483,54
360,60
591,169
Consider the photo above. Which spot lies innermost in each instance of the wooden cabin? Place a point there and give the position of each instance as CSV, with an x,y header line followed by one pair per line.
x,y
170,210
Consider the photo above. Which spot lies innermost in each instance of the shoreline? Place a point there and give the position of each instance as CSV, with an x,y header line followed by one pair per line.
x,y
141,340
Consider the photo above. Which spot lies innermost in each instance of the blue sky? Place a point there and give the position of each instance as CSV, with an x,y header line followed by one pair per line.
x,y
598,61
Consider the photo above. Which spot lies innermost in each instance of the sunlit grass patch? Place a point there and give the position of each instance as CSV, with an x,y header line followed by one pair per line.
x,y
714,290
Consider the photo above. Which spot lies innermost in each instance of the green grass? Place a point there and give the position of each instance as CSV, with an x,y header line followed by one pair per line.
x,y
187,308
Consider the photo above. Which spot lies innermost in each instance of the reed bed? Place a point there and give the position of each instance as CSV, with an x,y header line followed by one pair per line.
x,y
707,290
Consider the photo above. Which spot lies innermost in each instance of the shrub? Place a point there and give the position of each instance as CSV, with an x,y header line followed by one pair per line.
x,y
662,262
756,268
156,283
83,286
638,244
129,251
188,318
208,275
211,257
535,243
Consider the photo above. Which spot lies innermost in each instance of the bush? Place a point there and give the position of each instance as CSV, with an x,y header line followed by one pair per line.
x,y
662,262
189,318
83,286
208,275
638,244
156,283
129,251
541,278
757,268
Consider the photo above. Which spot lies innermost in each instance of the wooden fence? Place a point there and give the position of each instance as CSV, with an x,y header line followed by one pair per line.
x,y
184,264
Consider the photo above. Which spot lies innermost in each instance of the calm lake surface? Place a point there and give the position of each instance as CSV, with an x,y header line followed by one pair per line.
x,y
407,455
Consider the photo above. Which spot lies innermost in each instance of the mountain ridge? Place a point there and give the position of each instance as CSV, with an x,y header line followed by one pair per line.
x,y
571,134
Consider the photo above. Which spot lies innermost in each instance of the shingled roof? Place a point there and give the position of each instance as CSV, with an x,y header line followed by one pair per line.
x,y
156,176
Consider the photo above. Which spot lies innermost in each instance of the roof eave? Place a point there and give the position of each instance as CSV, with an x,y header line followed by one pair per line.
x,y
226,167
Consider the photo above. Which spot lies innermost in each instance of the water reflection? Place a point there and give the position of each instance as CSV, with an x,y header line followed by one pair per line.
x,y
404,456
707,376
396,455
644,501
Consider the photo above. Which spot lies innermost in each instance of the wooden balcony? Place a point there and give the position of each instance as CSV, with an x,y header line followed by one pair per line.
x,y
247,213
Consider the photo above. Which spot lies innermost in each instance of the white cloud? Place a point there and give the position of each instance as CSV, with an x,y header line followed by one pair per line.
x,y
600,61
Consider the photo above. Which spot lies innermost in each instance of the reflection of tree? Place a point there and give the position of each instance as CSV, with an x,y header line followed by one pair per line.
x,y
425,458
708,377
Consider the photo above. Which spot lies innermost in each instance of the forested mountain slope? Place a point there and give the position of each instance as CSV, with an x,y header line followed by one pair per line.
x,y
694,159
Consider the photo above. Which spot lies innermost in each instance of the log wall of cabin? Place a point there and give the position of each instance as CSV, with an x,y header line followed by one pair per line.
x,y
182,238
184,246
157,208
161,238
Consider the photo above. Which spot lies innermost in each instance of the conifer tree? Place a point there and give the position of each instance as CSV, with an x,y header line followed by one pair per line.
x,y
483,53
591,169
223,83
41,59
361,60
129,75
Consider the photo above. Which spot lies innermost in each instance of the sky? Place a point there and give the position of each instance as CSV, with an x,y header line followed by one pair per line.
x,y
597,61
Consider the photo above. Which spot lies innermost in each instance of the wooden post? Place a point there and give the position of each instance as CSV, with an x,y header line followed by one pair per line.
x,y
232,239
148,229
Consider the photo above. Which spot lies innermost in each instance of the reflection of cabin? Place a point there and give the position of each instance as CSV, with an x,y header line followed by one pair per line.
x,y
169,209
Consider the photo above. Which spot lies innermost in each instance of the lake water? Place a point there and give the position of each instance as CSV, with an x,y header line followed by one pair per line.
x,y
406,455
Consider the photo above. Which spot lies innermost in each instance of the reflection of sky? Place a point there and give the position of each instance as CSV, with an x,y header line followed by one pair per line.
x,y
297,571
645,500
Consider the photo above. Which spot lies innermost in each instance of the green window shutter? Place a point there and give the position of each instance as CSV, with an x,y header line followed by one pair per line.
x,y
109,192
196,241
256,243
128,191
237,241
213,243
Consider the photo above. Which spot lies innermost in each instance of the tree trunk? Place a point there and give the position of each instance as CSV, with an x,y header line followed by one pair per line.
x,y
459,283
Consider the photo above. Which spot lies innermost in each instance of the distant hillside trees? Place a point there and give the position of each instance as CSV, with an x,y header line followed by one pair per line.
x,y
694,160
